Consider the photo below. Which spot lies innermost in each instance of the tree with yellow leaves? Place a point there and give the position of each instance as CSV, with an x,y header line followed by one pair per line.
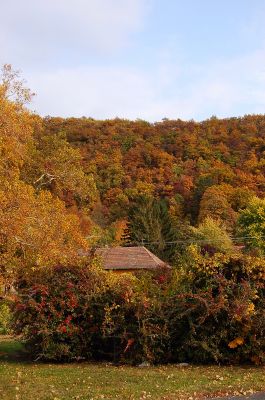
x,y
36,230
16,123
54,165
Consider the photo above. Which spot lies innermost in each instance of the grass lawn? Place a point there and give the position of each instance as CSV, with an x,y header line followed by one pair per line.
x,y
24,380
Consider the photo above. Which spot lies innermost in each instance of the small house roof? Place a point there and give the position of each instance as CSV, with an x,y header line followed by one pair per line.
x,y
129,258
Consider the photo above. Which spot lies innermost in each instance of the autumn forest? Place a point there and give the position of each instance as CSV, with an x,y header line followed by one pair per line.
x,y
78,182
191,192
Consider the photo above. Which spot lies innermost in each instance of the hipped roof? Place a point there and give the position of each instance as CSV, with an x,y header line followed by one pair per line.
x,y
129,258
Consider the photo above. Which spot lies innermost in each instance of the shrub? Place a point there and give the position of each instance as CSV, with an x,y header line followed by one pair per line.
x,y
57,316
223,323
213,313
85,312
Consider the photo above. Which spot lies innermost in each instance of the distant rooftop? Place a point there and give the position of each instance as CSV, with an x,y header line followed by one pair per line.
x,y
129,258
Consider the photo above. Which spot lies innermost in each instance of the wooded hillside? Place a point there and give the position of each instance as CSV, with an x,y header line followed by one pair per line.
x,y
120,182
210,168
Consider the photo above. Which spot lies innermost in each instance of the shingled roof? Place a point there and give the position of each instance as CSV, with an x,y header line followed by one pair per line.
x,y
129,258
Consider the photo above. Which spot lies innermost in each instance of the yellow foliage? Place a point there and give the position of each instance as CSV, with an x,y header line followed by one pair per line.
x,y
236,342
250,309
35,228
16,124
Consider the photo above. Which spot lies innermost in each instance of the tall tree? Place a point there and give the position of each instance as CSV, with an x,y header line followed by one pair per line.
x,y
150,225
35,228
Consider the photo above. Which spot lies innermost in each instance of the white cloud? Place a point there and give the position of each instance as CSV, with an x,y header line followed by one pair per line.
x,y
49,31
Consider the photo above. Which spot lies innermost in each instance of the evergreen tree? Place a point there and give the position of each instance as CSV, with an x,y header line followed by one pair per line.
x,y
150,225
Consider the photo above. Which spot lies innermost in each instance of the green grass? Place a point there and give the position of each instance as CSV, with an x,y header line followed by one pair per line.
x,y
25,380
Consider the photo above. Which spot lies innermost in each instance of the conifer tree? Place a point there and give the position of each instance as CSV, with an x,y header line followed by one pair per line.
x,y
150,225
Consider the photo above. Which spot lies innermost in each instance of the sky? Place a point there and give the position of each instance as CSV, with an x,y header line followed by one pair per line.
x,y
146,59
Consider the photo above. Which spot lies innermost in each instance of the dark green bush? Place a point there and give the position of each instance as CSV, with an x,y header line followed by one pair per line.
x,y
223,324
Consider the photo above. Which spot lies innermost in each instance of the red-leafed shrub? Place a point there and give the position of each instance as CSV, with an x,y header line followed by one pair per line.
x,y
57,317
81,312
198,316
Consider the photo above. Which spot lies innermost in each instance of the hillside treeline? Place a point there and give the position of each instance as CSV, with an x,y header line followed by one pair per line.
x,y
201,170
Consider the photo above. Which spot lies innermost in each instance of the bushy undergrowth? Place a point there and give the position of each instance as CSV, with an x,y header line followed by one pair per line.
x,y
204,315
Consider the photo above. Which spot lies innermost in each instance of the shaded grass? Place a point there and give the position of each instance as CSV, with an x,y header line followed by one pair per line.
x,y
11,348
22,379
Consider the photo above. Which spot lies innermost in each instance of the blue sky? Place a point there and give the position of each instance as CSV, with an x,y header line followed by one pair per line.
x,y
147,59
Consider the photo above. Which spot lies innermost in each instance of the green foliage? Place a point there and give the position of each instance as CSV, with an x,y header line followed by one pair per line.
x,y
240,198
232,266
223,323
150,224
251,225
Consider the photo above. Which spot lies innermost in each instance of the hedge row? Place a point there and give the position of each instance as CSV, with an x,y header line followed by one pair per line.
x,y
82,312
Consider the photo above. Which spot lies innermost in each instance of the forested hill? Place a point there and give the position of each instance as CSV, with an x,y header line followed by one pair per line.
x,y
72,184
207,168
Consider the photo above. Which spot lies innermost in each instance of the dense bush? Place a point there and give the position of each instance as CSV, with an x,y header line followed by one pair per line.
x,y
84,312
80,312
225,323
223,309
